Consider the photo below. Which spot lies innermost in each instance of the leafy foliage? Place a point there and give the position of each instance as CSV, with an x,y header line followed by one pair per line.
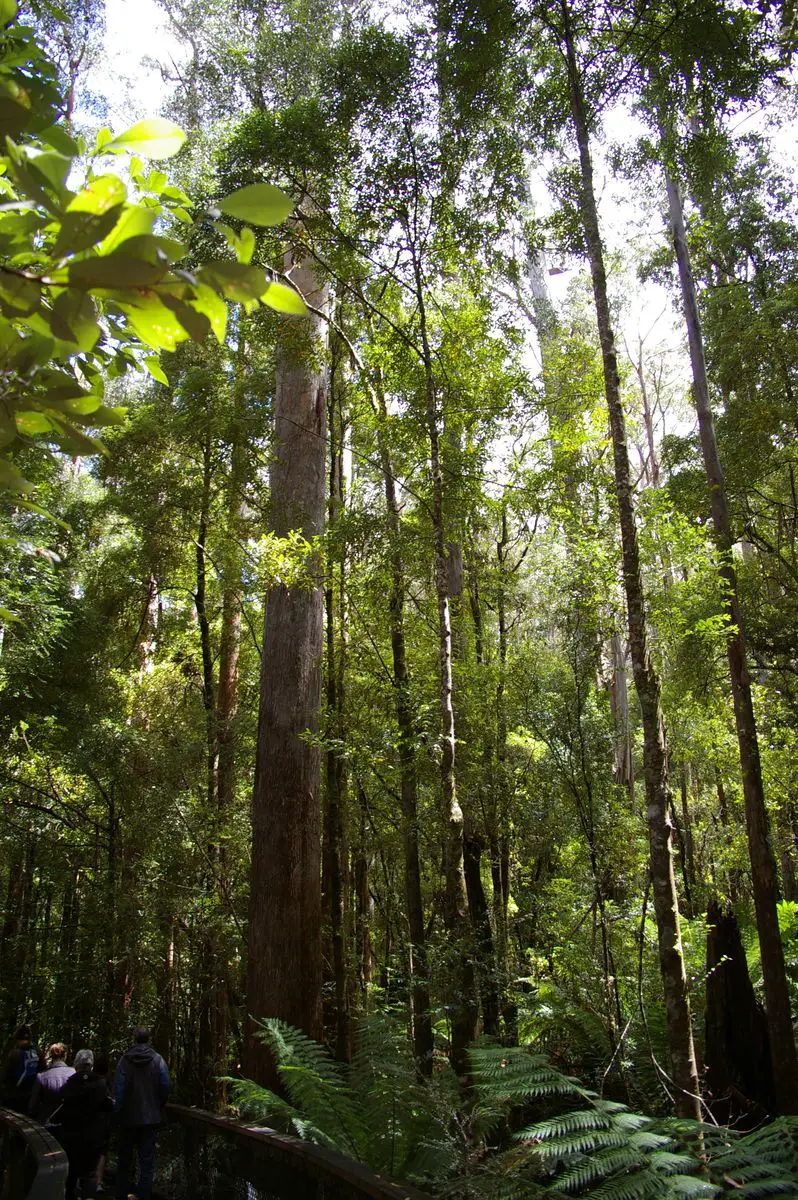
x,y
88,283
378,1112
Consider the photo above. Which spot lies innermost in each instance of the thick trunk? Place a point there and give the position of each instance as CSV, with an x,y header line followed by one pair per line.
x,y
408,779
666,907
284,945
764,874
481,931
737,1050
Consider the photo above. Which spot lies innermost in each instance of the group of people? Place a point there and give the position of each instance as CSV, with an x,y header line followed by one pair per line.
x,y
77,1105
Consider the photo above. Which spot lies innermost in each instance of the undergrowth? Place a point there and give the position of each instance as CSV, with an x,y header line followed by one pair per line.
x,y
519,1129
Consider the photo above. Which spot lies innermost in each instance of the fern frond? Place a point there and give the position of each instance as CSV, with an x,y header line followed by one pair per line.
x,y
587,1141
260,1103
693,1187
594,1167
565,1123
316,1086
671,1163
768,1187
515,1074
642,1185
646,1139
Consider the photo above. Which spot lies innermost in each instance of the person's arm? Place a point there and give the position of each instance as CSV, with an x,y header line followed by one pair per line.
x,y
34,1098
11,1070
120,1080
164,1082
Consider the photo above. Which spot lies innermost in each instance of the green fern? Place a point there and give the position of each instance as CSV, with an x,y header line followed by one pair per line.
x,y
458,1144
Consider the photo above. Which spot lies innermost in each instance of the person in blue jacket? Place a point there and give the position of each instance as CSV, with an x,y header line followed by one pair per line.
x,y
20,1071
141,1088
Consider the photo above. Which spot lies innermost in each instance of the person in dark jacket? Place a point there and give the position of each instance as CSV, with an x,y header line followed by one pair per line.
x,y
20,1071
81,1124
46,1095
141,1087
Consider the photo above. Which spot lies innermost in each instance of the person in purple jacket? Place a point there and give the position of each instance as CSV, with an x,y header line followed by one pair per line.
x,y
46,1095
141,1088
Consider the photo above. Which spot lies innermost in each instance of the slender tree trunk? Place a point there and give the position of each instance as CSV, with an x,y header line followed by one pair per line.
x,y
455,903
666,906
284,945
473,846
334,832
500,836
764,874
225,718
408,779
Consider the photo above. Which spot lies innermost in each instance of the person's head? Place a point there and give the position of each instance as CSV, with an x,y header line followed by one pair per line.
x,y
56,1053
141,1036
101,1063
84,1062
23,1033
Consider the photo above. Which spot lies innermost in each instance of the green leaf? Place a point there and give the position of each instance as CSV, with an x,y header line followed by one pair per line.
x,y
12,479
103,416
83,406
18,296
52,166
116,271
195,323
208,302
8,10
134,222
99,195
285,300
245,245
77,319
236,280
154,249
31,422
155,324
260,203
156,138
155,369
81,230
57,137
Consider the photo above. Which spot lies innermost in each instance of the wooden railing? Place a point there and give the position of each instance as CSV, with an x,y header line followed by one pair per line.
x,y
33,1165
270,1164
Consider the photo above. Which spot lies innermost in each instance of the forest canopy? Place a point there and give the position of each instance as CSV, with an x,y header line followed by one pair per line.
x,y
399,599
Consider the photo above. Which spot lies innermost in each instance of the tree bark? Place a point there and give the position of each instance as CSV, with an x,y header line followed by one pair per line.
x,y
764,876
666,906
455,900
408,778
737,1050
336,776
284,944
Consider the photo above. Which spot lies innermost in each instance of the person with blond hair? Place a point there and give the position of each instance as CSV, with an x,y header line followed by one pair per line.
x,y
46,1095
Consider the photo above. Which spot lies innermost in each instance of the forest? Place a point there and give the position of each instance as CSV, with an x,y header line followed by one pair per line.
x,y
399,626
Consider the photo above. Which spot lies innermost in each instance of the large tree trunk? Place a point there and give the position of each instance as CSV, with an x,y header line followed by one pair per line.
x,y
764,875
737,1050
666,905
284,945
